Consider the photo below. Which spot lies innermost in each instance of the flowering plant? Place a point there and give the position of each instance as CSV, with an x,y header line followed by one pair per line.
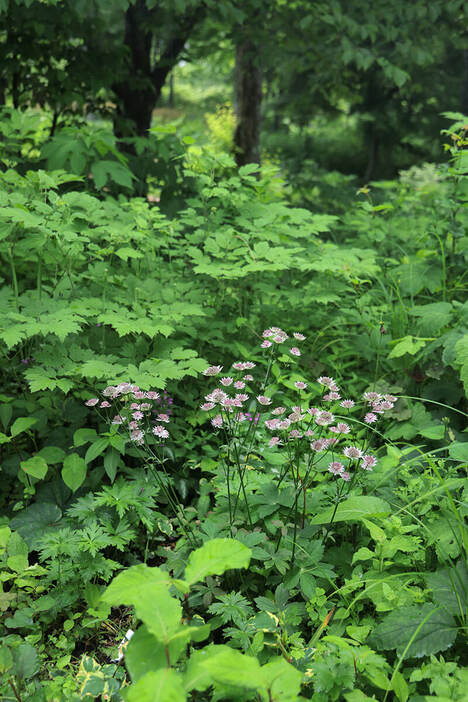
x,y
331,438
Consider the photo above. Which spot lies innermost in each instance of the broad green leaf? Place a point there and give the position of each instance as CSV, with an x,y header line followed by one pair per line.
x,y
450,588
226,666
165,685
459,451
437,633
26,661
74,471
145,652
282,680
35,466
52,455
400,687
358,507
22,424
215,557
409,344
18,563
34,521
433,431
126,252
84,436
147,589
433,316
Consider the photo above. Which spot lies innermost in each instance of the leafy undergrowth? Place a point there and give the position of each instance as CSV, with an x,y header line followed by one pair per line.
x,y
254,529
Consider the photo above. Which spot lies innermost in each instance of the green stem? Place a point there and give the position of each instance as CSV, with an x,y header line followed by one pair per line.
x,y
13,277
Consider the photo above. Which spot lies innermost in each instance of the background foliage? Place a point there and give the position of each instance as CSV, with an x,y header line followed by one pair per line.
x,y
176,177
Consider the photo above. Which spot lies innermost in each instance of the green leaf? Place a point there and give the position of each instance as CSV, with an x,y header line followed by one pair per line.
x,y
282,680
437,633
96,449
215,557
83,436
358,507
400,687
111,461
459,451
6,410
126,252
408,344
145,652
225,666
22,424
26,661
74,471
161,686
147,589
450,588
35,466
52,455
433,431
248,169
34,521
6,659
433,316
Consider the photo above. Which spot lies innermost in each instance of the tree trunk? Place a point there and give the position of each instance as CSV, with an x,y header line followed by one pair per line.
x,y
248,102
141,89
464,92
136,94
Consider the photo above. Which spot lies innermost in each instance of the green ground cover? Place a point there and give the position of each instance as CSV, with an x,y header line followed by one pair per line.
x,y
233,418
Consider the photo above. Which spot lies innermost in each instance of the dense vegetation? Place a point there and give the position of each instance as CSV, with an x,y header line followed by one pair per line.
x,y
233,350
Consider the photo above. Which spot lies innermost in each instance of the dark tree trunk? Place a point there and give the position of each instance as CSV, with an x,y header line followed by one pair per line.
x,y
464,92
373,158
248,102
141,89
171,90
136,94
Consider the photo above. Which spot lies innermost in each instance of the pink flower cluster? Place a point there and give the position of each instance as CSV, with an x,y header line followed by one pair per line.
x,y
134,415
321,427
278,336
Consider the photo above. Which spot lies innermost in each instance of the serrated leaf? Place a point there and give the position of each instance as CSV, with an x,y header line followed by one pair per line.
x,y
126,252
26,661
145,652
459,451
354,508
34,521
450,588
409,344
164,685
437,633
225,666
215,557
147,589
433,316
